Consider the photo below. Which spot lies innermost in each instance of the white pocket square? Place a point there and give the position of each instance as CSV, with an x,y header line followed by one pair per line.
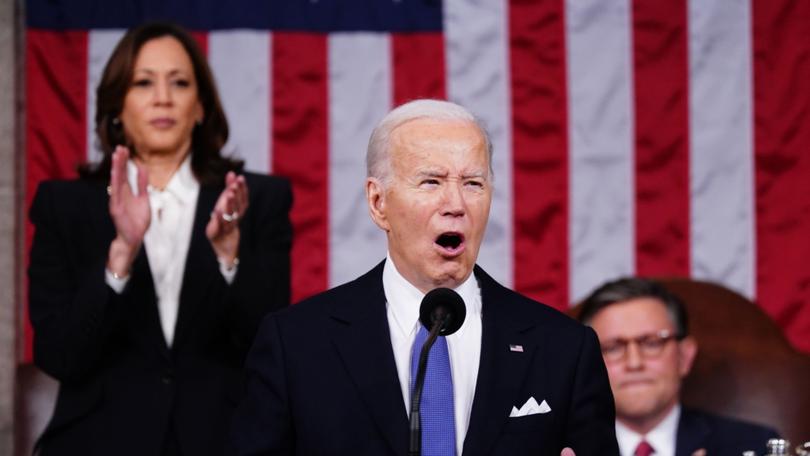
x,y
531,407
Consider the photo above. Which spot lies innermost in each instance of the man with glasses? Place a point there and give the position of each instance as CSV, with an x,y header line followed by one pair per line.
x,y
643,331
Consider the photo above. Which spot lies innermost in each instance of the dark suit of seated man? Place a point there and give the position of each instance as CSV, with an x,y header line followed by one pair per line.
x,y
643,330
333,374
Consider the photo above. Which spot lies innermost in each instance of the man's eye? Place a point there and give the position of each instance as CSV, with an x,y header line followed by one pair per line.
x,y
652,343
473,183
429,182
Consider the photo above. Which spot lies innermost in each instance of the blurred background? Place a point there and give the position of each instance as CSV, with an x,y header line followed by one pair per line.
x,y
647,137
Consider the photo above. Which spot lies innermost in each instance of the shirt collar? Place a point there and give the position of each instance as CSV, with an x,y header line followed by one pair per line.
x,y
662,438
404,298
183,185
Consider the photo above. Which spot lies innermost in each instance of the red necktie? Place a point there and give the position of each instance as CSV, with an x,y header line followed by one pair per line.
x,y
644,449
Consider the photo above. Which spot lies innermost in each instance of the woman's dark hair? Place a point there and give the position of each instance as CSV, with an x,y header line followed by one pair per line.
x,y
207,138
628,288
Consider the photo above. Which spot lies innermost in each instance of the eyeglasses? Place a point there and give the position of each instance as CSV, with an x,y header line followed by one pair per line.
x,y
649,345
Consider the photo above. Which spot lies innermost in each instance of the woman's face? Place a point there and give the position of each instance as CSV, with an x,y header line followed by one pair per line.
x,y
161,105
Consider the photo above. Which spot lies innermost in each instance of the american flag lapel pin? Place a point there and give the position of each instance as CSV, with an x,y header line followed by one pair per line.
x,y
516,348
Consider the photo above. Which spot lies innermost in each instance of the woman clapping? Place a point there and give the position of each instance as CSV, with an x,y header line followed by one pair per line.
x,y
151,272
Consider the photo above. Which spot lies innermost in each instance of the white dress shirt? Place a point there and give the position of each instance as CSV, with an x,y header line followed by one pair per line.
x,y
464,346
662,438
167,241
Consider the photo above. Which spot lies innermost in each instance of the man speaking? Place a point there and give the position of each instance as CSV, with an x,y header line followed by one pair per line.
x,y
334,374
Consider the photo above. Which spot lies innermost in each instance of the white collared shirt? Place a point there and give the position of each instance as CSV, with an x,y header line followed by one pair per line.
x,y
464,346
167,241
662,438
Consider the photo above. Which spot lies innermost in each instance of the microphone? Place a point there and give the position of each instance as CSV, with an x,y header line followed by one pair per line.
x,y
442,312
443,306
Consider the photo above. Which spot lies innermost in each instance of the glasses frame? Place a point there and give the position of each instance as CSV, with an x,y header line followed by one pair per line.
x,y
650,345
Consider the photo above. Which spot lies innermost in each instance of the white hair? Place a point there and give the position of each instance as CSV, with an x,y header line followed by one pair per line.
x,y
378,163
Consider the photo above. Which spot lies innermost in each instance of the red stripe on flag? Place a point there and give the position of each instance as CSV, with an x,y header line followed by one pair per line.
x,y
55,132
540,149
418,64
300,151
782,157
661,72
202,40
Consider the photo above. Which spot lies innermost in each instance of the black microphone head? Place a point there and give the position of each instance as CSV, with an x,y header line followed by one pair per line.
x,y
443,304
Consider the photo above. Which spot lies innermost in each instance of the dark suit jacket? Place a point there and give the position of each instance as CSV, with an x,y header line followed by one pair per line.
x,y
720,436
121,387
322,380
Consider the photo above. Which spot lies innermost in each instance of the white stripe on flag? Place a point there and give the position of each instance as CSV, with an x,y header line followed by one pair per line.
x,y
240,61
100,45
601,225
360,94
720,122
477,48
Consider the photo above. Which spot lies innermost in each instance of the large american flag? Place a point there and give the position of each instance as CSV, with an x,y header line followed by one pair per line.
x,y
650,137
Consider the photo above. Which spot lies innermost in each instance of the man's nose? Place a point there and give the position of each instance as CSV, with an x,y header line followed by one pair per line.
x,y
454,203
633,358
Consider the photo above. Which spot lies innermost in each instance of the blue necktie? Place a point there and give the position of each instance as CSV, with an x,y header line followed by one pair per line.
x,y
437,411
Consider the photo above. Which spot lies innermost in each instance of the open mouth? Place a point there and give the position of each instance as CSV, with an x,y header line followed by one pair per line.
x,y
450,242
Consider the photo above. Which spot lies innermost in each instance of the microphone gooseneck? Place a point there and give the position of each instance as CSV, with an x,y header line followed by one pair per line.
x,y
442,312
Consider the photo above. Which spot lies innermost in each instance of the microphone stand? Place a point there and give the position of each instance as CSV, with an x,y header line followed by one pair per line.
x,y
415,448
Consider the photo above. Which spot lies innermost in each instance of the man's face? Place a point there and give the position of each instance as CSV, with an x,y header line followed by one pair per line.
x,y
645,387
435,206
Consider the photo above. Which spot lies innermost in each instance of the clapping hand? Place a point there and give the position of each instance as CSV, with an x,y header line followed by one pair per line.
x,y
130,213
223,228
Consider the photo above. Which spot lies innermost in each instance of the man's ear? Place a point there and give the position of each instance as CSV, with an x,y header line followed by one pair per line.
x,y
687,350
375,197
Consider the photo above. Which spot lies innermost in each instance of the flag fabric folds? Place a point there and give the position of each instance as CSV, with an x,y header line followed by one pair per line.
x,y
631,136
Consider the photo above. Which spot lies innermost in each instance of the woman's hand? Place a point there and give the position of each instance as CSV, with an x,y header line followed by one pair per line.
x,y
223,228
130,213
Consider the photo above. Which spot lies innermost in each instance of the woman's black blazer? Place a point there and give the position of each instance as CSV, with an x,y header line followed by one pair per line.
x,y
122,390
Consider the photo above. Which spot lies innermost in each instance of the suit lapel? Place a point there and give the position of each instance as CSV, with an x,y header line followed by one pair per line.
x,y
143,289
201,265
692,433
360,334
501,371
